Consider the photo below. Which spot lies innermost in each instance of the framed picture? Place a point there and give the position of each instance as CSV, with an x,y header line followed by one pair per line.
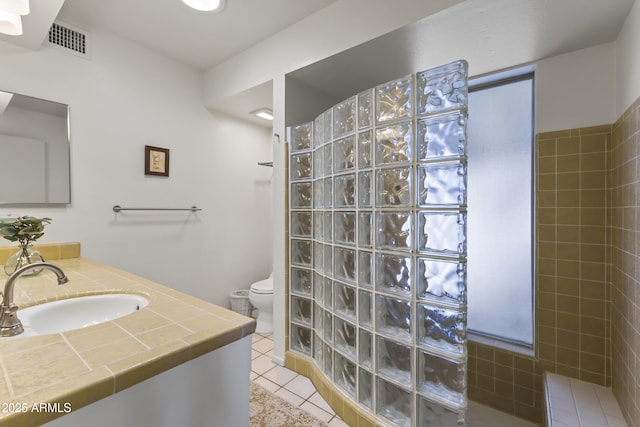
x,y
156,161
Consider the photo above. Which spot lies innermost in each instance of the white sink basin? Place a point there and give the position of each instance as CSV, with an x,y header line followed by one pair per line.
x,y
75,313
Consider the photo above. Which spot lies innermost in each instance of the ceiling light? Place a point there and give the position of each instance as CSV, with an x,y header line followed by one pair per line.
x,y
10,23
263,113
16,7
205,5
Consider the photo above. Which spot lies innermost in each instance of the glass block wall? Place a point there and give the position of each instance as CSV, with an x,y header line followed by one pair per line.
x,y
378,246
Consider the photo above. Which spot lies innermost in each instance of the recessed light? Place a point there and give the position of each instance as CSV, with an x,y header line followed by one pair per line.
x,y
263,113
206,5
10,23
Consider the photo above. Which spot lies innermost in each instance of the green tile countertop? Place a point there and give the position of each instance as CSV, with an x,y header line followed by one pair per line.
x,y
45,377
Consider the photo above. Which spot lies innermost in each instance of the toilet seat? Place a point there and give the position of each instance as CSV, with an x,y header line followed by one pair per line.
x,y
262,287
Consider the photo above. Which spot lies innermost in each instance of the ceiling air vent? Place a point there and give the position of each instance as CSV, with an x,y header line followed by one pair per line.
x,y
68,38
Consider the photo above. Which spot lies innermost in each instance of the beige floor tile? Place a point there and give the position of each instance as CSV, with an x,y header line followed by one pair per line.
x,y
319,401
292,398
280,375
301,386
263,346
262,364
316,412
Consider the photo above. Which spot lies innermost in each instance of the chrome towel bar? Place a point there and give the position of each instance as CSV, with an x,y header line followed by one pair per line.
x,y
118,208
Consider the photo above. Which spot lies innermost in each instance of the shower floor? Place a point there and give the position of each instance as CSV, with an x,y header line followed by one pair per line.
x,y
299,391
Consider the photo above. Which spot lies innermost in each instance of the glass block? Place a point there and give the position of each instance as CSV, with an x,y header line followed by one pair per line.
x,y
300,281
318,255
365,188
301,339
318,163
393,403
345,264
318,320
442,88
318,350
364,388
394,99
328,294
345,300
395,230
365,349
345,337
328,125
328,260
365,269
300,137
442,184
393,187
394,361
364,309
364,149
344,154
344,117
365,108
443,329
394,274
441,281
318,194
301,224
442,378
442,233
328,327
442,137
318,131
300,166
318,288
328,159
317,225
431,414
365,229
393,317
327,225
301,195
344,191
328,193
345,374
344,229
394,144
301,252
301,310
328,362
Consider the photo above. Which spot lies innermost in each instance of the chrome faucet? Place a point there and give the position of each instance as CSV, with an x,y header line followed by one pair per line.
x,y
10,325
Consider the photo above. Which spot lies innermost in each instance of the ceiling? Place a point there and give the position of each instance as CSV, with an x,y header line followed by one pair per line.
x,y
199,39
203,40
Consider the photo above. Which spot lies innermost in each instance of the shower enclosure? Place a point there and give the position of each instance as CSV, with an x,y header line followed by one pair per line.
x,y
377,279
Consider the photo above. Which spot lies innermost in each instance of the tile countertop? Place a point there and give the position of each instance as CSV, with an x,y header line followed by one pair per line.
x,y
72,369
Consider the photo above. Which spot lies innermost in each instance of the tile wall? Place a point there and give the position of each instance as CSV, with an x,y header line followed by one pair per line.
x,y
572,291
625,262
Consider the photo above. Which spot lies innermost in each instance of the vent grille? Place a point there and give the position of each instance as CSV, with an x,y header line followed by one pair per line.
x,y
63,36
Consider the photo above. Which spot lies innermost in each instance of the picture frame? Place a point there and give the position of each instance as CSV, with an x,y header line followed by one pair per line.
x,y
156,161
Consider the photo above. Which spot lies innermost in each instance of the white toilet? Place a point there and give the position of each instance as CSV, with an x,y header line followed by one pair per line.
x,y
261,297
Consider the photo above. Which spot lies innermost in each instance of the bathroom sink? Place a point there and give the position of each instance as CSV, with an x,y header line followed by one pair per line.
x,y
79,312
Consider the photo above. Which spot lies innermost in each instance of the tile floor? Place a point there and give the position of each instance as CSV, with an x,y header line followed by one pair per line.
x,y
299,391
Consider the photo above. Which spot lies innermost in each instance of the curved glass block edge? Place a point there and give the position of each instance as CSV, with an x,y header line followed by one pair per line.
x,y
296,141
434,399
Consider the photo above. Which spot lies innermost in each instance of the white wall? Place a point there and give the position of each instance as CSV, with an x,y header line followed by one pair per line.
x,y
576,89
121,99
628,62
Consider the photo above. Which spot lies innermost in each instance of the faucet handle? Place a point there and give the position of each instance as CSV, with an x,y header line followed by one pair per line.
x,y
10,325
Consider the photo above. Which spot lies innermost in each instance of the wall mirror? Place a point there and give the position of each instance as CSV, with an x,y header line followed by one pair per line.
x,y
34,150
